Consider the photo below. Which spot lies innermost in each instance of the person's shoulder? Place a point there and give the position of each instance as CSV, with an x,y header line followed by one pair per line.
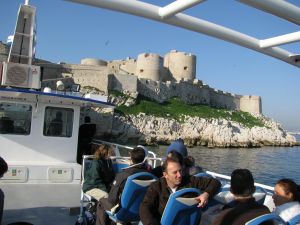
x,y
157,185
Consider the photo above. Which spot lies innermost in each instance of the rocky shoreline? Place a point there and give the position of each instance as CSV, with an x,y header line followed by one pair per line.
x,y
150,130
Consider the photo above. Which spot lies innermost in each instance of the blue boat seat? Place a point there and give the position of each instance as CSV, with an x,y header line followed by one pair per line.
x,y
119,165
134,191
182,210
295,220
267,217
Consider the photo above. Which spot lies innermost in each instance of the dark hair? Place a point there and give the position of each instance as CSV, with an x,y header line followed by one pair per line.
x,y
87,119
58,115
289,186
3,167
137,155
242,183
189,161
172,156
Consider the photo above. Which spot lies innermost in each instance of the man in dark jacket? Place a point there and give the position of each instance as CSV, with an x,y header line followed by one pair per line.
x,y
159,191
137,156
245,207
85,136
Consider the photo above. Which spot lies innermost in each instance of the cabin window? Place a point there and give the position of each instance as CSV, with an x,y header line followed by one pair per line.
x,y
58,122
15,118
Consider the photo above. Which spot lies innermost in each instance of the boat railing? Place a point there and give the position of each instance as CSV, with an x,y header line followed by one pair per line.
x,y
152,159
227,178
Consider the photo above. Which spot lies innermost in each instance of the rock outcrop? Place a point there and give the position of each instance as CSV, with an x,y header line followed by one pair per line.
x,y
198,131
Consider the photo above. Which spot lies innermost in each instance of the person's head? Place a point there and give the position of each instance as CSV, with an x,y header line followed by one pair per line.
x,y
58,115
176,156
178,146
3,167
286,190
137,155
103,151
189,161
172,169
87,119
242,183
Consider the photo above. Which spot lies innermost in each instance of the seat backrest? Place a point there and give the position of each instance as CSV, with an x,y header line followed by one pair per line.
x,y
182,210
295,220
267,217
134,191
226,197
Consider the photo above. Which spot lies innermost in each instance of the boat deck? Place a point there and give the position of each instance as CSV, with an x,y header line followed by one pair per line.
x,y
41,216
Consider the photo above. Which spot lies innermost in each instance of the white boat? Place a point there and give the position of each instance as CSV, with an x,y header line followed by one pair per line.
x,y
44,181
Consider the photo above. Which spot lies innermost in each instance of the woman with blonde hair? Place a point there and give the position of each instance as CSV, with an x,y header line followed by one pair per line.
x,y
99,176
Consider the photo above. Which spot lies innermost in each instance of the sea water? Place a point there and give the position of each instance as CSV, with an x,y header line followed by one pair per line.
x,y
268,164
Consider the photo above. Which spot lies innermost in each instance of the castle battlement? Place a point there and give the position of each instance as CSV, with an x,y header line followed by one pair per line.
x,y
151,75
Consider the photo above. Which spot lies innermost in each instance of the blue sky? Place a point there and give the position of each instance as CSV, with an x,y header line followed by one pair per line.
x,y
69,32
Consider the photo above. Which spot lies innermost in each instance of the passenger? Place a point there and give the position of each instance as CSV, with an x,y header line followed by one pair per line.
x,y
85,136
245,207
286,199
6,125
190,166
158,193
99,176
188,161
3,170
137,156
56,125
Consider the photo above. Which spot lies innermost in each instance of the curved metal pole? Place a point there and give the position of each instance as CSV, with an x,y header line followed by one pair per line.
x,y
150,11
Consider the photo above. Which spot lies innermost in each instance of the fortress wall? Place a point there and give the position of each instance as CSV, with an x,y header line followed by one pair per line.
x,y
151,79
161,91
122,66
85,75
166,75
128,66
121,82
152,89
222,99
251,104
114,66
149,66
181,65
4,50
193,94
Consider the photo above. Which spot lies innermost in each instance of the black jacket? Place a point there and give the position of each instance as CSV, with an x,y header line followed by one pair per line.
x,y
119,183
158,194
243,211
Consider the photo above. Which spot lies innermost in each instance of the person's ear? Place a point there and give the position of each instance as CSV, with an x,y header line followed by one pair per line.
x,y
290,195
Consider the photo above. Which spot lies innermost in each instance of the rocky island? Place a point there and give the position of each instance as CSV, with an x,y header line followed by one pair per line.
x,y
159,99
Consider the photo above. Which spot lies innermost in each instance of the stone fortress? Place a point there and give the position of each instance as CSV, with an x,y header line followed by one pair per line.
x,y
151,75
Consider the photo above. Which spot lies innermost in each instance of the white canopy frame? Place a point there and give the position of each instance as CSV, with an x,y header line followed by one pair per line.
x,y
171,14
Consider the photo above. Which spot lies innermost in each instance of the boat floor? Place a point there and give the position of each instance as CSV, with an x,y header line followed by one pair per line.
x,y
41,216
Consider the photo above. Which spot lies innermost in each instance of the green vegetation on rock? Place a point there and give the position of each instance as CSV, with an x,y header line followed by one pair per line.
x,y
177,109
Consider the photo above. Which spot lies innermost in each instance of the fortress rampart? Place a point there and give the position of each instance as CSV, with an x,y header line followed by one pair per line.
x,y
153,76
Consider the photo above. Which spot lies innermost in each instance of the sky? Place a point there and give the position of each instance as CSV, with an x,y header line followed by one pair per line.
x,y
68,32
